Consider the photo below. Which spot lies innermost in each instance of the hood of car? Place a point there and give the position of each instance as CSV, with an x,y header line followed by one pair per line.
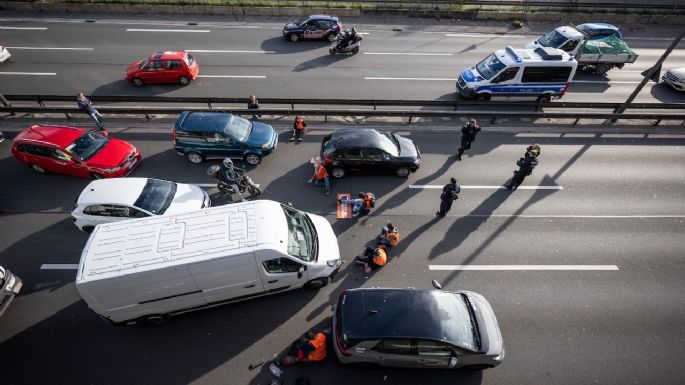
x,y
678,72
407,147
188,198
134,66
112,155
261,134
290,27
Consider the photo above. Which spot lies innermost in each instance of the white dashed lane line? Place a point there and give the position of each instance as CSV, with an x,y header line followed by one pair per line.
x,y
419,79
435,186
523,267
29,73
24,28
408,53
227,51
233,76
168,30
54,48
59,266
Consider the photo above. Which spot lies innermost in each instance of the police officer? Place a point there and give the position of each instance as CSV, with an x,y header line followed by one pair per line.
x,y
450,193
526,166
468,135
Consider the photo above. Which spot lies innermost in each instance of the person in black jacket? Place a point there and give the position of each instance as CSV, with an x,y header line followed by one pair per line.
x,y
468,135
526,166
450,193
253,104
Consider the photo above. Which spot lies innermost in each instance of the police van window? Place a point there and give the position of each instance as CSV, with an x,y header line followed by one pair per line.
x,y
489,67
507,74
546,74
570,45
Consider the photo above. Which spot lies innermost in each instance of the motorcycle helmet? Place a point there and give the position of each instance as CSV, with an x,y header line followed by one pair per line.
x,y
354,31
213,171
228,162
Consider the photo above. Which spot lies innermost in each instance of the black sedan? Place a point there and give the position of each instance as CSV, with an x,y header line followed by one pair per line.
x,y
368,150
314,27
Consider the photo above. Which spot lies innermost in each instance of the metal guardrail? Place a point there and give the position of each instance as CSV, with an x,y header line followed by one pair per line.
x,y
524,4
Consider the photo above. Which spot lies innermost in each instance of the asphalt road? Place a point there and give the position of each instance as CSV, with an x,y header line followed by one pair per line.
x,y
241,58
617,202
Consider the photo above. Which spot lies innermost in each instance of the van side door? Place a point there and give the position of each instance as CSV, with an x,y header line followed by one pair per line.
x,y
281,273
229,278
504,82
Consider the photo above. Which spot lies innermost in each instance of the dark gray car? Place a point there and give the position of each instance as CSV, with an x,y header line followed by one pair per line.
x,y
415,328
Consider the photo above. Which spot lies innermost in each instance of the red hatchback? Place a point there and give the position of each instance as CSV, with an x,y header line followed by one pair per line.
x,y
75,151
164,67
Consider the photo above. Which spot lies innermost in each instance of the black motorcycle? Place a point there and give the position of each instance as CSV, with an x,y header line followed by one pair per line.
x,y
242,180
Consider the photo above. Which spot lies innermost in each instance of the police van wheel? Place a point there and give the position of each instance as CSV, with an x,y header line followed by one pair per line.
x,y
155,319
338,172
483,97
544,98
402,172
294,37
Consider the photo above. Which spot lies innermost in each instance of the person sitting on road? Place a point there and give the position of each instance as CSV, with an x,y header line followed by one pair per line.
x,y
311,348
362,205
389,236
373,258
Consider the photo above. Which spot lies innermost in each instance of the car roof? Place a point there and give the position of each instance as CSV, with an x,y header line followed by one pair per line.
x,y
205,121
167,55
379,313
59,136
356,137
116,191
324,17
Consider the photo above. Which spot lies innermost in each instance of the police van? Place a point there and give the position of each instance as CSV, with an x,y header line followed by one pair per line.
x,y
543,72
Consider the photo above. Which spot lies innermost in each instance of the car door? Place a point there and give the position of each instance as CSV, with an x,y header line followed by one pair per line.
x,y
224,146
173,70
63,163
433,354
98,214
282,273
229,278
353,159
395,352
313,30
152,72
46,158
374,160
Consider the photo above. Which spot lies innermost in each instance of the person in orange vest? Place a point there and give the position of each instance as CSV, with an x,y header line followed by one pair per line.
x,y
299,128
389,236
373,258
320,177
312,348
362,205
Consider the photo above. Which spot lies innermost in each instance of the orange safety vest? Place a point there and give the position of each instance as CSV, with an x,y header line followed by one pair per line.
x,y
368,198
319,352
321,173
393,237
299,124
380,258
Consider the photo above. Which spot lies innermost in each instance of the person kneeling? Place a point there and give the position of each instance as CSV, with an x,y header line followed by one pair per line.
x,y
311,348
374,258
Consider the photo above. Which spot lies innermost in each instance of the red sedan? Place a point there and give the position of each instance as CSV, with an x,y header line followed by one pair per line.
x,y
75,151
178,67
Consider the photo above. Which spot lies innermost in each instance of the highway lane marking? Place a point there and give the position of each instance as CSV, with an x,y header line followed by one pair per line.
x,y
233,76
226,51
428,79
408,53
604,82
435,186
523,267
167,30
55,48
59,266
485,35
25,28
29,73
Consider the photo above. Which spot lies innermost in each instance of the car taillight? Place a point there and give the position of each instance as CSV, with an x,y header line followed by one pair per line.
x,y
173,135
565,88
341,347
327,159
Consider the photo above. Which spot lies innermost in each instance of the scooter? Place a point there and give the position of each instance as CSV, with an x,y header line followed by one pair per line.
x,y
243,181
351,47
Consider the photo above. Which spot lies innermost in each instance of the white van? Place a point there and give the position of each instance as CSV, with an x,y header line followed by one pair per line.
x,y
145,270
544,73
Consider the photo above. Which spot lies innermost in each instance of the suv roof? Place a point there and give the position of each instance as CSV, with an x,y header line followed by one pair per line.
x,y
203,121
379,313
57,135
355,137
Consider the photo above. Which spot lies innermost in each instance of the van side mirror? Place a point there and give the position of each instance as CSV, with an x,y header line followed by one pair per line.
x,y
453,362
300,272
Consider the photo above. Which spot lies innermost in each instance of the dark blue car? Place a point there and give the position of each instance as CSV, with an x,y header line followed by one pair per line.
x,y
202,135
313,27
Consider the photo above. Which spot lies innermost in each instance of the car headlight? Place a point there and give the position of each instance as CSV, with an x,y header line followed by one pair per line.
x,y
266,145
471,86
333,263
113,169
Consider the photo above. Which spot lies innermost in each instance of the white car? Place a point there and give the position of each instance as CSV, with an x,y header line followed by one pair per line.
x,y
675,78
117,199
4,54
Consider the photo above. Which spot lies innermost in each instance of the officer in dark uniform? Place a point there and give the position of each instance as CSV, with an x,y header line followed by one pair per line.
x,y
449,194
468,135
526,166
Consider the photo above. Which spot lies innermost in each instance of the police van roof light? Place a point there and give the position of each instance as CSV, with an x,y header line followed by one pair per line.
x,y
510,50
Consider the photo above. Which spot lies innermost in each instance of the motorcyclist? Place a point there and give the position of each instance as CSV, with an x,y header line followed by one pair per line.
x,y
231,175
343,39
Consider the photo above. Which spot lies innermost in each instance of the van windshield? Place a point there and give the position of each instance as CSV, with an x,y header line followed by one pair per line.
x,y
552,39
489,67
302,238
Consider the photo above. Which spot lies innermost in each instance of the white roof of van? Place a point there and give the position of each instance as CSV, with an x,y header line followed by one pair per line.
x,y
528,56
138,245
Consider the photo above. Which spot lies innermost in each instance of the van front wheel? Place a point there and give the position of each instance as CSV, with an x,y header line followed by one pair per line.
x,y
155,319
316,283
483,97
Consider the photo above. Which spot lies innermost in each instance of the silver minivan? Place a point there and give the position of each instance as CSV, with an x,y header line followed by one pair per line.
x,y
415,328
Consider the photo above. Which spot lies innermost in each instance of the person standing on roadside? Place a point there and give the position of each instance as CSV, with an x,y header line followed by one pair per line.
x,y
468,135
299,128
85,105
450,193
253,104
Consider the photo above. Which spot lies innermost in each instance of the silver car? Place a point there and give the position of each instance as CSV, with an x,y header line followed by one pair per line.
x,y
414,328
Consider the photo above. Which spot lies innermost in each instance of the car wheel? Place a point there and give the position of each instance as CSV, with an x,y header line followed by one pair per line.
x,y
155,319
477,367
544,98
294,37
88,229
138,82
95,175
194,157
184,80
316,283
602,69
483,97
402,172
338,172
253,159
38,168
355,51
332,37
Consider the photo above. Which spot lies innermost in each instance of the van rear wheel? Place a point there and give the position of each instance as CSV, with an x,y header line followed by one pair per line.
x,y
155,319
544,98
483,97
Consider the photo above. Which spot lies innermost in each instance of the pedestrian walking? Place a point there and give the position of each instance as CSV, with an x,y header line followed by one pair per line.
x,y
526,166
253,104
320,178
85,105
468,135
450,193
299,128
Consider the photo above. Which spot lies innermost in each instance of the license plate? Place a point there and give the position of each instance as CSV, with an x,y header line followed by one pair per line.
x,y
130,166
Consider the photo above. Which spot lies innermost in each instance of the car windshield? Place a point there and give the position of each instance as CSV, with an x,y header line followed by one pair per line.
x,y
87,145
239,128
302,239
456,320
156,196
389,144
300,21
553,39
143,64
489,67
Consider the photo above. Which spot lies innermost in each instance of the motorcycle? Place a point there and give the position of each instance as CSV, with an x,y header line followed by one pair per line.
x,y
339,46
243,181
